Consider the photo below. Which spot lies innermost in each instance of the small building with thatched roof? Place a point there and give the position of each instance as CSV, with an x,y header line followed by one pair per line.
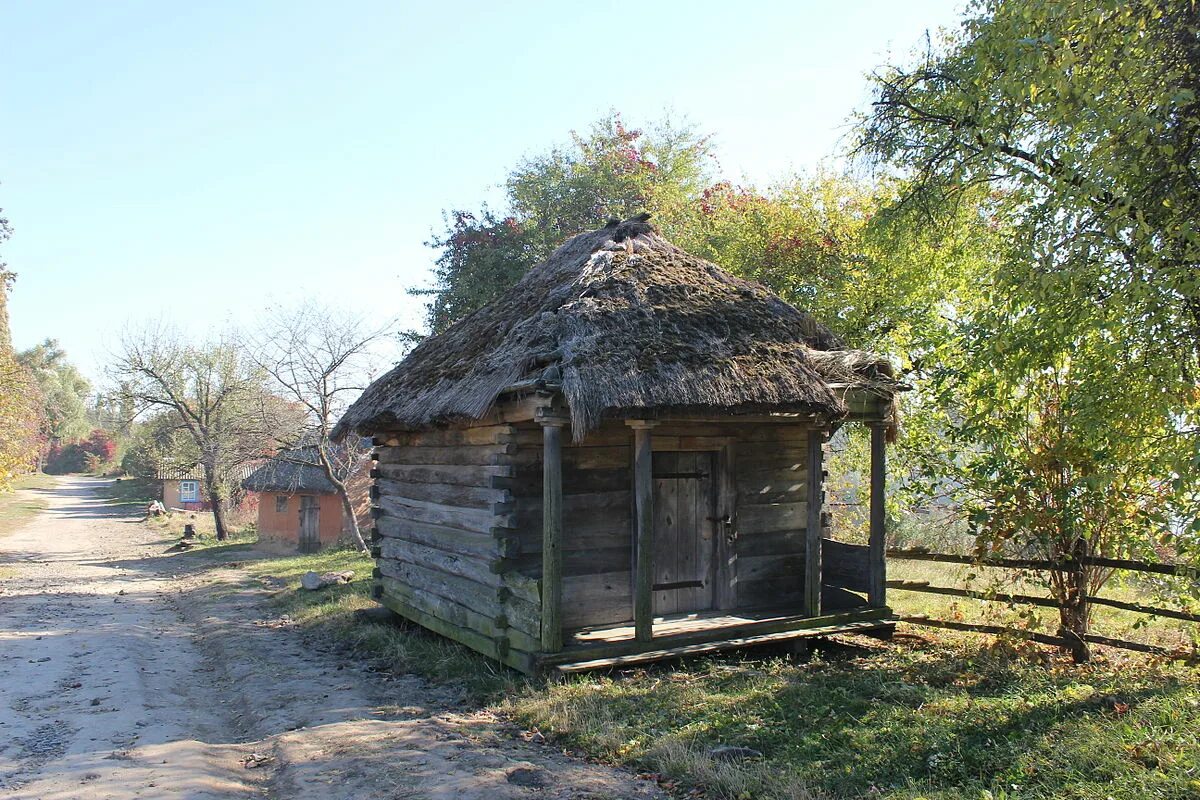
x,y
620,460
298,503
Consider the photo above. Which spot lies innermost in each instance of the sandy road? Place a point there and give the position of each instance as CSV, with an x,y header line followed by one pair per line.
x,y
127,673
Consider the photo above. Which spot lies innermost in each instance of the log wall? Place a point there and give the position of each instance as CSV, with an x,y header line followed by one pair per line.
x,y
770,473
444,539
597,521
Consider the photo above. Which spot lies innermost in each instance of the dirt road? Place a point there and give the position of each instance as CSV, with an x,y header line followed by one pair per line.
x,y
125,673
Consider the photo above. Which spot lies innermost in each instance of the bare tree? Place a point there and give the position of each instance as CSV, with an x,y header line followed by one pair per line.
x,y
322,358
219,395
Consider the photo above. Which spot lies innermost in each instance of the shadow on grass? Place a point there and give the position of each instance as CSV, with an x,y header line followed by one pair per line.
x,y
910,719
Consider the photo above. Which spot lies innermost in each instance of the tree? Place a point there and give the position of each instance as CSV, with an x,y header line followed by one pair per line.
x,y
611,172
20,398
321,359
218,395
1071,379
64,391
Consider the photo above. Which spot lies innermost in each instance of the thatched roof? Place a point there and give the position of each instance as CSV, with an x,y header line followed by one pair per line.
x,y
624,322
291,471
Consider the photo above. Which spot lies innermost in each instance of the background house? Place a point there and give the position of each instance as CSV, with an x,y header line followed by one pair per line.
x,y
297,503
184,489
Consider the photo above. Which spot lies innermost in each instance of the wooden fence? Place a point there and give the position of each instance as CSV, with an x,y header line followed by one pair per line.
x,y
1064,638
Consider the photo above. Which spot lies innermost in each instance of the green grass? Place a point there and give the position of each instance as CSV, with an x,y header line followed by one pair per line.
x,y
932,714
336,612
18,506
943,718
138,492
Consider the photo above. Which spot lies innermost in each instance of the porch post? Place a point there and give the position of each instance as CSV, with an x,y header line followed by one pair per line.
x,y
643,492
877,543
815,498
552,637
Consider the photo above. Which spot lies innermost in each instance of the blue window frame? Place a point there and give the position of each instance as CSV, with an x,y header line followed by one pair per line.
x,y
189,491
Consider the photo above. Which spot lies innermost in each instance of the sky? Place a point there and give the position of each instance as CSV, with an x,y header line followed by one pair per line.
x,y
197,162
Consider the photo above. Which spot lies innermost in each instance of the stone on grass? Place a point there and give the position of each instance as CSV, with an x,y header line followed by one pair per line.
x,y
312,581
731,752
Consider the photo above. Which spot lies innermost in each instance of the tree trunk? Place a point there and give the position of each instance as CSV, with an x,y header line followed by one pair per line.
x,y
217,502
343,494
348,511
1074,612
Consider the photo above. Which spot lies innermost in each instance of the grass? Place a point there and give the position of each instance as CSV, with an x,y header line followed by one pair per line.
x,y
939,719
934,715
135,491
338,613
17,506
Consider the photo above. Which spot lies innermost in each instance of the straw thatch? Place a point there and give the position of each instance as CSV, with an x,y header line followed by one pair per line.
x,y
291,471
624,322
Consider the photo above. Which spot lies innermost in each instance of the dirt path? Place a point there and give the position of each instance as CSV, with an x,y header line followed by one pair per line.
x,y
124,673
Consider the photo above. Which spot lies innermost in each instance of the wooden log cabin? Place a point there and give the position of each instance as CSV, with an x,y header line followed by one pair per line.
x,y
620,460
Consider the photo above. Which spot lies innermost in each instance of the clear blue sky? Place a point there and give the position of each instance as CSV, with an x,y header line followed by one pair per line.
x,y
192,161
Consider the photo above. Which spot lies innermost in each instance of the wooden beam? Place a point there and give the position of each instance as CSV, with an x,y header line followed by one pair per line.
x,y
877,541
552,530
812,531
643,492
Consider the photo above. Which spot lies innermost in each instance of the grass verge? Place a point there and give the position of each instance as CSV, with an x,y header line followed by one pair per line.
x,y
936,716
339,613
20,505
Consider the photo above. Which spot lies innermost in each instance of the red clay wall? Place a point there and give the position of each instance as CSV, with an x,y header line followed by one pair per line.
x,y
285,525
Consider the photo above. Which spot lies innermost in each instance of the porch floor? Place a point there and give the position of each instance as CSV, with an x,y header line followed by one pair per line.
x,y
680,635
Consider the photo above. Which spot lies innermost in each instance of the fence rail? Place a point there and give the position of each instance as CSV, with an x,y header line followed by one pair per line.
x,y
1065,638
1179,570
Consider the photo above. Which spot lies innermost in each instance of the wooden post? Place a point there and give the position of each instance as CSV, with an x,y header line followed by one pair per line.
x,y
552,525
877,542
812,532
643,492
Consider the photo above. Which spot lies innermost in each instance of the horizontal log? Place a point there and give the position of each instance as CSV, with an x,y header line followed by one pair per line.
x,y
772,543
1141,647
990,597
783,591
607,457
481,455
1182,570
452,474
443,493
514,584
575,504
523,615
528,481
452,587
598,599
583,532
487,646
462,565
772,487
587,561
446,437
995,630
453,539
785,567
1143,609
753,519
467,519
455,613
845,565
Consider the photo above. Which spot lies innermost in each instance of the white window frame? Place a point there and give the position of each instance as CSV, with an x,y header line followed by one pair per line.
x,y
189,491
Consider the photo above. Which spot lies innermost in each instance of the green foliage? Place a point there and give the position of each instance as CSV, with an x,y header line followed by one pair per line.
x,y
1068,382
64,391
612,172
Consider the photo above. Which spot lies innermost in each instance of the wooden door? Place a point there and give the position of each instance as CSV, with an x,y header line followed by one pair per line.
x,y
310,524
684,530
